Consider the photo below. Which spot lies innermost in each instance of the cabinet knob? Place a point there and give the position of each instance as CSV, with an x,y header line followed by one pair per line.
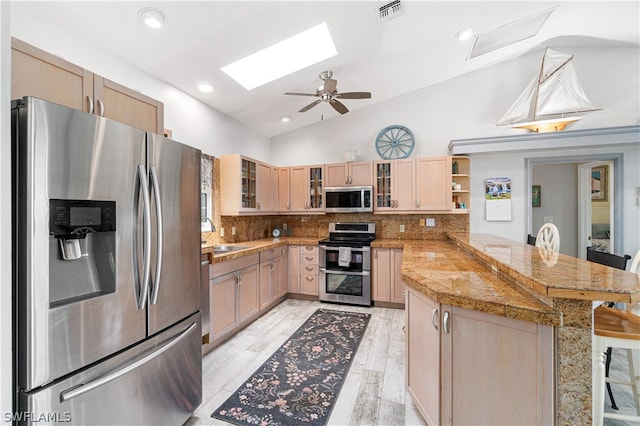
x,y
309,278
417,202
101,105
309,268
308,258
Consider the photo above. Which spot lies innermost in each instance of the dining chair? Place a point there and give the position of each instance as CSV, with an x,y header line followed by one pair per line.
x,y
548,237
614,261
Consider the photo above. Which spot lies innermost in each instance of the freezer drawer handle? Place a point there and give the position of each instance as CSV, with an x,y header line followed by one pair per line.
x,y
146,244
155,290
84,388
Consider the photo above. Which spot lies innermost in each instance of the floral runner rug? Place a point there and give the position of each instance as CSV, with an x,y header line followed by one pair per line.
x,y
300,382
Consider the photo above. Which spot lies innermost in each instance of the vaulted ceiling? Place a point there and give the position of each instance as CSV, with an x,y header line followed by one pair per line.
x,y
415,49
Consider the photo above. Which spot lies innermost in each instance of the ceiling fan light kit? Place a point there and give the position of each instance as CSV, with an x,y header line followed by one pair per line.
x,y
328,92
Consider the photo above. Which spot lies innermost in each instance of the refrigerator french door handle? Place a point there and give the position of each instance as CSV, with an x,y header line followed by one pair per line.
x,y
155,289
146,243
76,391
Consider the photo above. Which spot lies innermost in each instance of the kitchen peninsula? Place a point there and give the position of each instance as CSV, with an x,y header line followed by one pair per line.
x,y
497,287
472,275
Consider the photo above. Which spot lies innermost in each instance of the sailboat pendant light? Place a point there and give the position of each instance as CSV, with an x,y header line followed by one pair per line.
x,y
553,99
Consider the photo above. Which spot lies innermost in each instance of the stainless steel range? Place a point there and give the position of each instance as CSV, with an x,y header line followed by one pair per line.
x,y
345,263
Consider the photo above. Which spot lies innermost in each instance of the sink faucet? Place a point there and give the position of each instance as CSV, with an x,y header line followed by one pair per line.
x,y
206,219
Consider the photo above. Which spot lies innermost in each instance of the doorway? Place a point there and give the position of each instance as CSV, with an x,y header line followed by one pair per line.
x,y
596,200
565,190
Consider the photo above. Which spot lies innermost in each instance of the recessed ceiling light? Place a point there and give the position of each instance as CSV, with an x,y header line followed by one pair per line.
x,y
285,118
464,34
287,56
205,88
152,17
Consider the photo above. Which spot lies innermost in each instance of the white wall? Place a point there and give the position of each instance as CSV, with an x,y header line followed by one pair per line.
x,y
191,121
5,215
467,107
559,187
512,165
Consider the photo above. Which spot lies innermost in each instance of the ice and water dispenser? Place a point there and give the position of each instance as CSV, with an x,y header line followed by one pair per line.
x,y
82,244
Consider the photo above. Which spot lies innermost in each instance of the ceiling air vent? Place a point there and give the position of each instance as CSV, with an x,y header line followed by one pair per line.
x,y
390,10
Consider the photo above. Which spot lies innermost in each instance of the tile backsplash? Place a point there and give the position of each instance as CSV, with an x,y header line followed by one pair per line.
x,y
317,226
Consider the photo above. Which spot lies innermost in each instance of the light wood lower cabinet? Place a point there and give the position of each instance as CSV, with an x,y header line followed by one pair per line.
x,y
387,282
273,277
233,295
469,367
303,270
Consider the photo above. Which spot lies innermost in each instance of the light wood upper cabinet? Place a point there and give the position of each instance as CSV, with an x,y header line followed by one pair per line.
x,y
247,186
127,106
267,188
306,185
350,174
433,183
394,185
284,193
37,73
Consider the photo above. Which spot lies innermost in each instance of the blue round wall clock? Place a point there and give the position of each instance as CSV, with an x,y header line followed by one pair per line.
x,y
395,142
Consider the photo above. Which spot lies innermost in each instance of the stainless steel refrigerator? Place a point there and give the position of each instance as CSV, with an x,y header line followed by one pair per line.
x,y
106,252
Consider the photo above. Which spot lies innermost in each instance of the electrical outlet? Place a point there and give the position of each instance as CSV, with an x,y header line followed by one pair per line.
x,y
421,222
431,221
284,227
548,219
233,230
401,228
222,232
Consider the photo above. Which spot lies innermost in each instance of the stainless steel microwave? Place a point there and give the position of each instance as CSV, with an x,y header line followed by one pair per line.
x,y
348,199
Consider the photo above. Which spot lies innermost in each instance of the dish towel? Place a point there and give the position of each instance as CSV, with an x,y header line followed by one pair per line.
x,y
344,256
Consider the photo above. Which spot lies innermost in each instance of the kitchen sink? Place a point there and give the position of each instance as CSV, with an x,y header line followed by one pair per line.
x,y
227,248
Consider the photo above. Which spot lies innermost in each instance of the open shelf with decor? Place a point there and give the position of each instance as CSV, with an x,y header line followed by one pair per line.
x,y
460,184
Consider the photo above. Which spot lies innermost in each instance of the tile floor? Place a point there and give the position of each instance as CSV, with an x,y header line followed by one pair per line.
x,y
373,392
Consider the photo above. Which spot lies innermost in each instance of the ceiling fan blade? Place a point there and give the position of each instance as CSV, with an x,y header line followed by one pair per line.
x,y
354,95
301,94
330,85
338,106
311,105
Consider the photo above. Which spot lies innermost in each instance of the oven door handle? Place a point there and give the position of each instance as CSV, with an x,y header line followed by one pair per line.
x,y
353,249
330,271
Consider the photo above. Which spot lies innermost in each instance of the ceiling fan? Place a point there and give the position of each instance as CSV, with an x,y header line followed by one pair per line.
x,y
327,92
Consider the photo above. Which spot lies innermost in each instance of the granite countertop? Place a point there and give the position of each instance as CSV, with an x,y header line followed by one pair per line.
x,y
551,275
489,274
448,275
255,246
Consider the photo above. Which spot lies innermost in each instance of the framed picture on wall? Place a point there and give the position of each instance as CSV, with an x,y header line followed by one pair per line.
x,y
536,196
599,183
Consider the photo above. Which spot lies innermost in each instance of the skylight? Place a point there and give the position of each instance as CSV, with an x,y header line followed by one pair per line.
x,y
287,56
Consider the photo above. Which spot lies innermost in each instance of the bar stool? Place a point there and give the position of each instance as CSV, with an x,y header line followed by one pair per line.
x,y
619,262
548,237
617,329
